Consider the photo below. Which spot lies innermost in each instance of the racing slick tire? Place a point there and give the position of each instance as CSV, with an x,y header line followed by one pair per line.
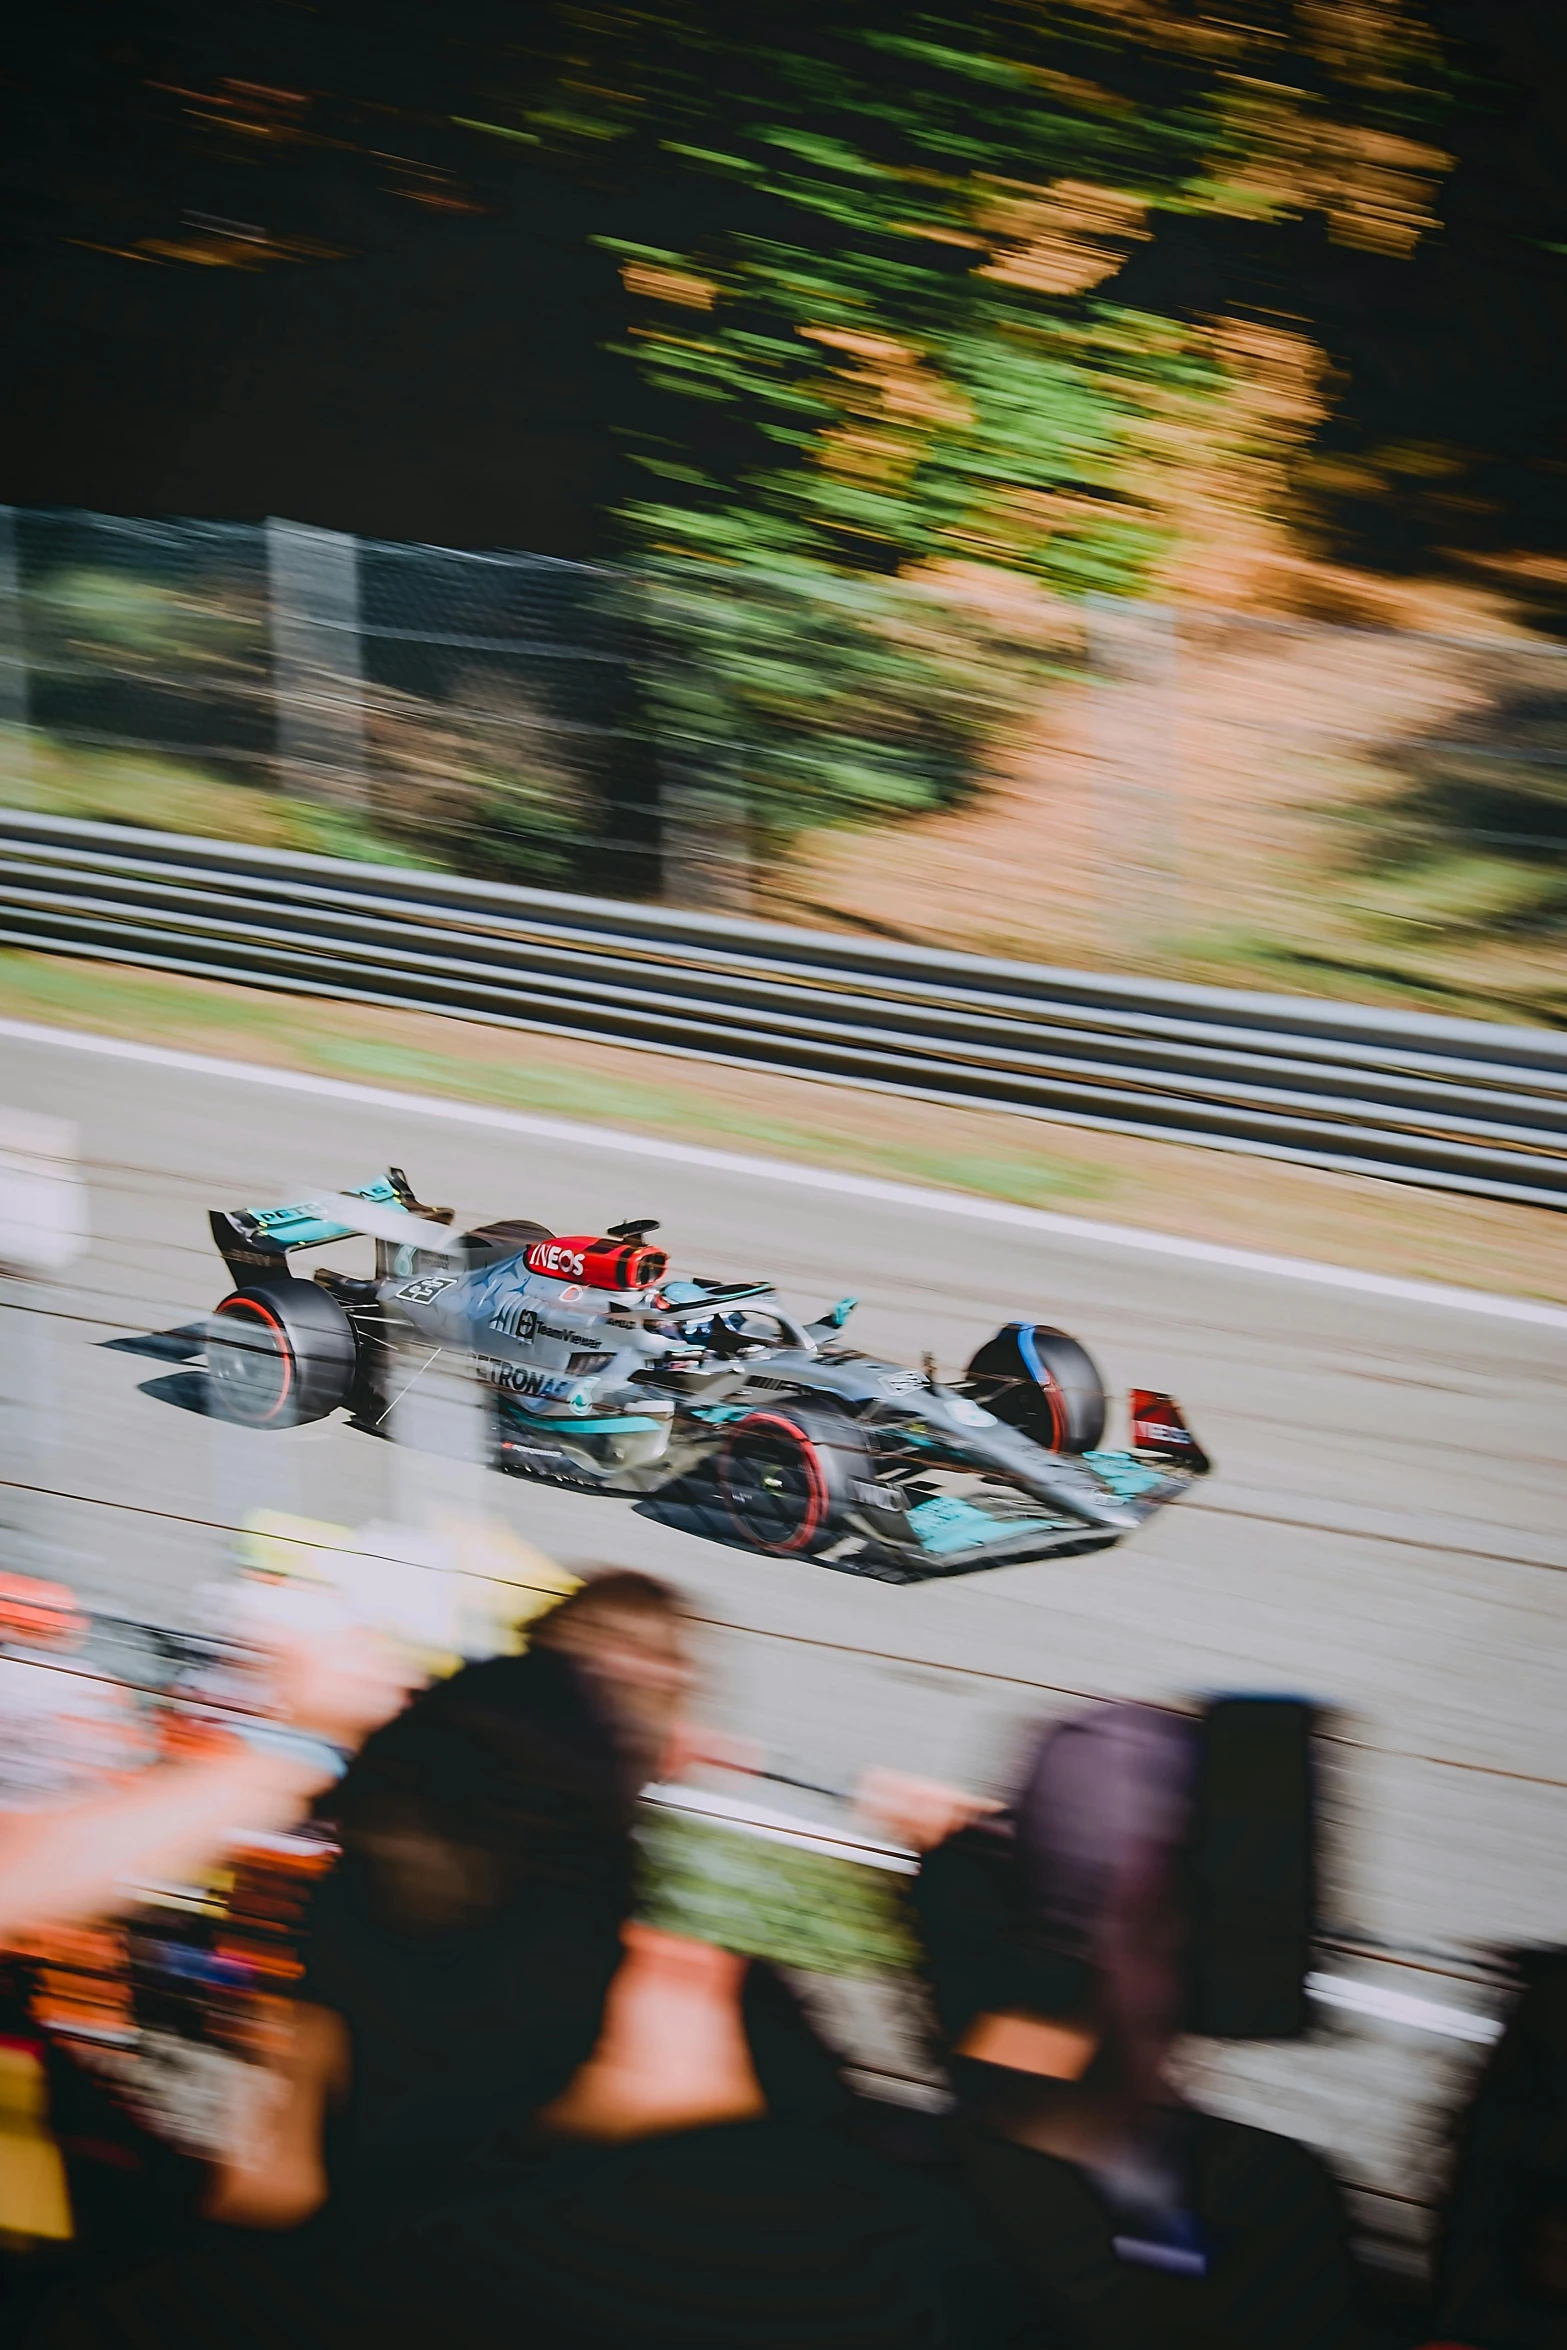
x,y
1043,1382
278,1354
787,1475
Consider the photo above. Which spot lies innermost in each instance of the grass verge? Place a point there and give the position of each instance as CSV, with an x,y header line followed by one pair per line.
x,y
1171,1187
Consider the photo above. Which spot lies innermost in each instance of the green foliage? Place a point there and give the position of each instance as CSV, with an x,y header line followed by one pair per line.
x,y
164,794
713,1883
1473,841
863,246
878,381
476,784
839,398
89,621
838,699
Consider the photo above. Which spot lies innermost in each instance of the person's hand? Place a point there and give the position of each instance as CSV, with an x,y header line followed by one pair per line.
x,y
279,2178
672,2053
693,1748
919,1812
339,1681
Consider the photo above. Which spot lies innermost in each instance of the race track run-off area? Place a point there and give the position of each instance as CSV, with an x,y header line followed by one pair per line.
x,y
1385,1531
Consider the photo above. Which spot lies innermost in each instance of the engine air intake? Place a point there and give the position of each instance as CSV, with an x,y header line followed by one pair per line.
x,y
599,1263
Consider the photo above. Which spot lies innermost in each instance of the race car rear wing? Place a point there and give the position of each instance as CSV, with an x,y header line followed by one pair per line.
x,y
255,1243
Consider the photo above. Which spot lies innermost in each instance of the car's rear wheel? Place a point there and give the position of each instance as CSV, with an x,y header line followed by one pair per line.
x,y
1043,1382
787,1475
279,1354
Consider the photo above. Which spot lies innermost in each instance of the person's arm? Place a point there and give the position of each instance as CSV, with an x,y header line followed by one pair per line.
x,y
672,2054
60,1865
282,2180
919,1812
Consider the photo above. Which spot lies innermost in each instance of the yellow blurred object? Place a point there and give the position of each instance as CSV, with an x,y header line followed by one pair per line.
x,y
35,2204
465,1586
523,1580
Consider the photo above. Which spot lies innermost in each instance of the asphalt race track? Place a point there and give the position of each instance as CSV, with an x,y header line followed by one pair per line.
x,y
1385,1532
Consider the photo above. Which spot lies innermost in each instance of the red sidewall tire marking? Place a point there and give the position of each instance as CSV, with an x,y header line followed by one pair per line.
x,y
817,1508
251,1305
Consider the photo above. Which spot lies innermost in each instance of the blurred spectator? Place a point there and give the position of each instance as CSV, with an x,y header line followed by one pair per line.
x,y
460,1954
1502,2266
72,1855
554,2126
740,2236
1056,1951
93,1810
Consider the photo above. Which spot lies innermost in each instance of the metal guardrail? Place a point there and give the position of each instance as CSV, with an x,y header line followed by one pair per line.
x,y
1458,1104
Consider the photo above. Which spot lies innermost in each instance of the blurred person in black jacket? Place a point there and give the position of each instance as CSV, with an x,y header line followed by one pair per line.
x,y
1057,1945
459,1955
1502,2262
543,2123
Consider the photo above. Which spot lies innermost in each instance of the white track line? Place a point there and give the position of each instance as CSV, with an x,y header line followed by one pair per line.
x,y
1081,1229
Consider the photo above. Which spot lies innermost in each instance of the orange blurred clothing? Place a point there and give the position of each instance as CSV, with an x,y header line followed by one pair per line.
x,y
83,1979
98,1796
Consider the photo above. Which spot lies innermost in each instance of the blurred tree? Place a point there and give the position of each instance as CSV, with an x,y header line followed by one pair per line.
x,y
870,253
913,296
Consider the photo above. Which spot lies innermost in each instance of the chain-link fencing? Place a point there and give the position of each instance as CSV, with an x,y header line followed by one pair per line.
x,y
294,687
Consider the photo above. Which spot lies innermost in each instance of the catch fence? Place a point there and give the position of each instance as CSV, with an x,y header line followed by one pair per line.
x,y
288,686
1327,807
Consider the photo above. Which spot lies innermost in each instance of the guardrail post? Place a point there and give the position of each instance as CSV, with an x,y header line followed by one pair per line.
x,y
1133,652
317,679
15,739
704,837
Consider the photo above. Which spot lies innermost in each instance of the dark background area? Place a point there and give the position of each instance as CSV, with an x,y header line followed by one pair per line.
x,y
361,314
254,265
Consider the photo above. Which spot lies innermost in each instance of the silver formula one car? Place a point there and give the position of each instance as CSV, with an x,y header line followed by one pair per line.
x,y
603,1372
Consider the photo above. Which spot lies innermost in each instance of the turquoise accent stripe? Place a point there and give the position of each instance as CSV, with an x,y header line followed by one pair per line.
x,y
618,1427
1126,1477
944,1525
296,1231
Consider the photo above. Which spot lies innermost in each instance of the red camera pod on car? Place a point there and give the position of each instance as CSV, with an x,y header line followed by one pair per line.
x,y
598,1263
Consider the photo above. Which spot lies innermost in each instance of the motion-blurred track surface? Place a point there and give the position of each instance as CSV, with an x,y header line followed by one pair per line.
x,y
1386,1530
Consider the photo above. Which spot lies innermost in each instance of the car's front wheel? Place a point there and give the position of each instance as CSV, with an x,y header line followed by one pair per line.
x,y
1043,1382
279,1354
787,1475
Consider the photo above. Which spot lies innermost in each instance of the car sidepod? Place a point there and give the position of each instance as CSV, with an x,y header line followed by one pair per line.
x,y
557,1363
